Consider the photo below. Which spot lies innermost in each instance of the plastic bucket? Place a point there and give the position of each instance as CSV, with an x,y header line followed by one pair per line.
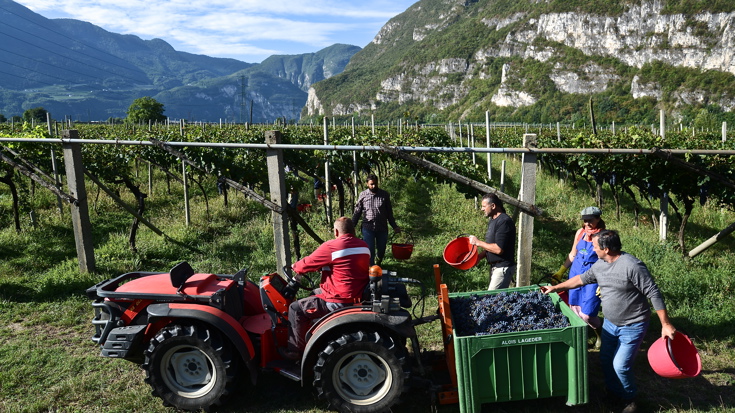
x,y
675,359
460,254
402,251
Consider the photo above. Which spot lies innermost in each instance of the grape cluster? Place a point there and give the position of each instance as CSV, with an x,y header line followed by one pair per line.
x,y
505,312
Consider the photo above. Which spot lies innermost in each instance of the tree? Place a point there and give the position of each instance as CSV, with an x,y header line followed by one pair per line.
x,y
706,120
3,118
38,114
145,109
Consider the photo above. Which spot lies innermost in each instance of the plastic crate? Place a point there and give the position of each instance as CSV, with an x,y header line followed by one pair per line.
x,y
523,365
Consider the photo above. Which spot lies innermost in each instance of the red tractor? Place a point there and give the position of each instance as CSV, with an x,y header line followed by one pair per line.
x,y
196,334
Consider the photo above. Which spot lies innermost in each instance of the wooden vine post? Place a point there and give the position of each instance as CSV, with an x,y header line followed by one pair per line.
x,y
79,211
277,186
525,226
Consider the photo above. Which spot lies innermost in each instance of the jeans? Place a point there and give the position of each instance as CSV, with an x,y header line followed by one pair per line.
x,y
620,346
375,239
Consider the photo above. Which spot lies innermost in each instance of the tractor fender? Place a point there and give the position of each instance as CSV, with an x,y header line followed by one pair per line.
x,y
218,319
351,319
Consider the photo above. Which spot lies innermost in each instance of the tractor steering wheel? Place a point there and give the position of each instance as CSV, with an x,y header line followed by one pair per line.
x,y
308,285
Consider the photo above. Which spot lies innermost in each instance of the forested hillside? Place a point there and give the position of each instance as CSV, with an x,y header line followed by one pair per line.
x,y
542,62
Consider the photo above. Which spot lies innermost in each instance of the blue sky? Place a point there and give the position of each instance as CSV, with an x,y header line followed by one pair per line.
x,y
247,30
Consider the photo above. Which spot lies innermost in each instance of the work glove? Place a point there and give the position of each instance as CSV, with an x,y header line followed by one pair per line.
x,y
557,276
598,292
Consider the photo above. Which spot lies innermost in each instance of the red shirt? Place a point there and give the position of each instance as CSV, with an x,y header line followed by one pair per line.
x,y
345,263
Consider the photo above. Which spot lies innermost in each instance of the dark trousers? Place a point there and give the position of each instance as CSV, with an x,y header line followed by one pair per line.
x,y
302,314
376,241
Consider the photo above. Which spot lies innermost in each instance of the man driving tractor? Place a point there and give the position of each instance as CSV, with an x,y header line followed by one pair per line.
x,y
344,263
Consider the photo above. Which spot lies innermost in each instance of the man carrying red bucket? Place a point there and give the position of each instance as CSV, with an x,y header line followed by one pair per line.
x,y
499,244
625,286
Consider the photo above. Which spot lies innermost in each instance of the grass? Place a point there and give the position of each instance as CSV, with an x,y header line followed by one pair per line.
x,y
49,364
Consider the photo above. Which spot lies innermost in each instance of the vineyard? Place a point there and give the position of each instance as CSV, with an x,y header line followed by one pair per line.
x,y
44,315
644,178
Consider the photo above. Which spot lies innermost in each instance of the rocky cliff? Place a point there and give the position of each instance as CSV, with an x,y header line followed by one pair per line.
x,y
533,57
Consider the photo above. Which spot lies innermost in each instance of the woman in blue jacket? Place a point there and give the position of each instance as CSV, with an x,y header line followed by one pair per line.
x,y
584,300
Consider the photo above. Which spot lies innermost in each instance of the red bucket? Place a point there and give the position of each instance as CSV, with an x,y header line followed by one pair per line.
x,y
675,359
460,254
402,251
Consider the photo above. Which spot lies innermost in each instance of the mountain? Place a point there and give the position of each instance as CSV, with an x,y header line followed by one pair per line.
x,y
76,69
275,88
307,69
542,61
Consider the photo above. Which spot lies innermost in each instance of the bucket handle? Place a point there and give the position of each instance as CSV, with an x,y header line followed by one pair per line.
x,y
671,353
473,250
409,238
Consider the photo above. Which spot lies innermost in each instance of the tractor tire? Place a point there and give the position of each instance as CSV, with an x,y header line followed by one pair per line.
x,y
362,372
190,367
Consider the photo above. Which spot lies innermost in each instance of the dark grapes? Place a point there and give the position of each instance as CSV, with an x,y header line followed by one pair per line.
x,y
505,312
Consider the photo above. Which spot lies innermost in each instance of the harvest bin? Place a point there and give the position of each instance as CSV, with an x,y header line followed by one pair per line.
x,y
523,365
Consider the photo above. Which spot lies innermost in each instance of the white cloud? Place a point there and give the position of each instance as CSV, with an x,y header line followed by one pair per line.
x,y
249,30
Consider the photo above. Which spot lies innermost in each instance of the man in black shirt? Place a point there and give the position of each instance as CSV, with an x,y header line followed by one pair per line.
x,y
499,244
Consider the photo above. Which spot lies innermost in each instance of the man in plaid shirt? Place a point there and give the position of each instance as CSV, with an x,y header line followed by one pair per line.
x,y
374,204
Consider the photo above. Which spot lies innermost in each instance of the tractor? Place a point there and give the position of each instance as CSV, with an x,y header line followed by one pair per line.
x,y
196,335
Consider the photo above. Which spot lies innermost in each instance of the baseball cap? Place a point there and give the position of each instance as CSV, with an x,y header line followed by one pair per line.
x,y
591,212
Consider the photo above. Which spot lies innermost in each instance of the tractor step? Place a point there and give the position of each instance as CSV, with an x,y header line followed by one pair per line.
x,y
290,369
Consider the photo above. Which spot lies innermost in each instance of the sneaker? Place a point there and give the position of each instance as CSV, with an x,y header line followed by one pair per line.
x,y
630,407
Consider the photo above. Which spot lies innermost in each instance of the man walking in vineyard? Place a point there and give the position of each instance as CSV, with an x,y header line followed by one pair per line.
x,y
499,244
374,203
626,286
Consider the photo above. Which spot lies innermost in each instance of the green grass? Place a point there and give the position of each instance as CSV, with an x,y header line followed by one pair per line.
x,y
48,362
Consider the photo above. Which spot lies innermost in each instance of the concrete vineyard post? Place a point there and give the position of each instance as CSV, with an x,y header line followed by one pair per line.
x,y
487,138
664,218
724,132
53,164
327,181
186,193
662,124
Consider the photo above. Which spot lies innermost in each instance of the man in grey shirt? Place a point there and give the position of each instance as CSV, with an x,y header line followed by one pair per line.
x,y
626,286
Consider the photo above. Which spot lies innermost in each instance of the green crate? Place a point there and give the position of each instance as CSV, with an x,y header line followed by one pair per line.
x,y
523,365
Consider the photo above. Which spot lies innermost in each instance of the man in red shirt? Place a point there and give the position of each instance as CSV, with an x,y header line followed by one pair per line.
x,y
344,262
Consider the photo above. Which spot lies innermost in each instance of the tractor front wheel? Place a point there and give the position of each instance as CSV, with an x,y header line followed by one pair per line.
x,y
362,372
190,367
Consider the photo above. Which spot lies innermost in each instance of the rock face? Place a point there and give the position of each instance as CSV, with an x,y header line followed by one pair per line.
x,y
607,50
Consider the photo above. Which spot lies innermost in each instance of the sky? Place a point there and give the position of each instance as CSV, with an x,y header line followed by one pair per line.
x,y
247,30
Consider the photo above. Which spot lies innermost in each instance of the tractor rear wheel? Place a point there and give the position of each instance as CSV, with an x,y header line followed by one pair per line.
x,y
190,367
362,372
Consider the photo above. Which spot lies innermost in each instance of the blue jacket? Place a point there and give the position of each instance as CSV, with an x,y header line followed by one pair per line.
x,y
586,295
